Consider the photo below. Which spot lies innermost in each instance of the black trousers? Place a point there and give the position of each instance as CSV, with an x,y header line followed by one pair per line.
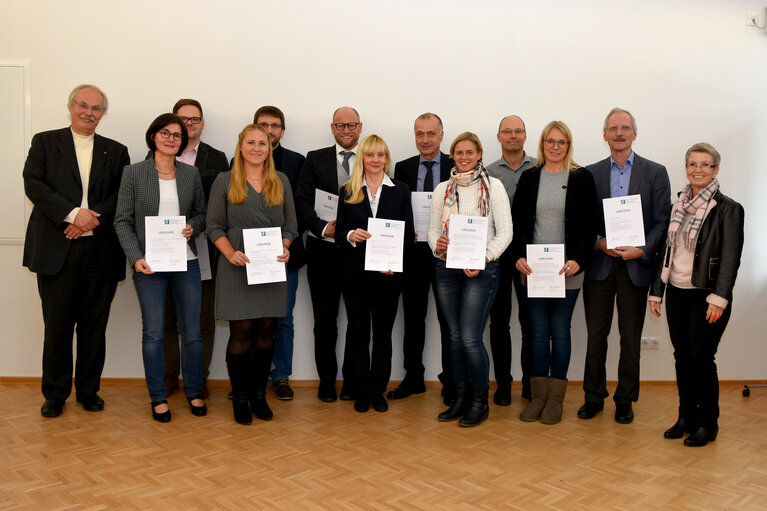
x,y
207,328
599,300
324,277
500,318
371,299
78,298
695,342
419,277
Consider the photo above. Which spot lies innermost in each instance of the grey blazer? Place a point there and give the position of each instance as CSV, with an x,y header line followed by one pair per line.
x,y
139,197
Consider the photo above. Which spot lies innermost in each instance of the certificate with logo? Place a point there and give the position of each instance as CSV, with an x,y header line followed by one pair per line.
x,y
468,242
546,261
165,245
623,221
421,214
384,248
326,207
263,247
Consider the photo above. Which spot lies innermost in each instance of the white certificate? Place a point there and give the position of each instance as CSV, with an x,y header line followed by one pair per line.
x,y
165,245
421,214
546,261
468,242
263,247
325,205
623,221
203,256
384,248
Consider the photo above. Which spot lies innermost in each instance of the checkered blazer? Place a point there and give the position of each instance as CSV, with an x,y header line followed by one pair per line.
x,y
139,197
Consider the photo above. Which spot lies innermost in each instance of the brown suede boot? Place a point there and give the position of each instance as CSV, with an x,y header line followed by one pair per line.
x,y
552,412
538,389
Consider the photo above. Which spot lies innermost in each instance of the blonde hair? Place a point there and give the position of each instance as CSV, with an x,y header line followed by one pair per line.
x,y
471,137
238,185
353,186
561,126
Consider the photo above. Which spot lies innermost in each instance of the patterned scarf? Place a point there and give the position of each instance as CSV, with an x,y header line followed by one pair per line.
x,y
689,213
479,173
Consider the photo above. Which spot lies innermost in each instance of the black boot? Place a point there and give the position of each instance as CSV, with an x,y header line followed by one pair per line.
x,y
460,404
478,410
262,364
238,367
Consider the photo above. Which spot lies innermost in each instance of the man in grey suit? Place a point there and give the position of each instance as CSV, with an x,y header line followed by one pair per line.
x,y
622,271
72,176
209,162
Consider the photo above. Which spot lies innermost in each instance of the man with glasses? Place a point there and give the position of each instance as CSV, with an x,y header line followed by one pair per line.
x,y
623,271
508,169
322,174
289,163
209,162
72,176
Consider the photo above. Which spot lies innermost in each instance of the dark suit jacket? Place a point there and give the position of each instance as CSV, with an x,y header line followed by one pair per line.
x,y
650,181
318,172
579,220
52,183
289,163
407,170
393,204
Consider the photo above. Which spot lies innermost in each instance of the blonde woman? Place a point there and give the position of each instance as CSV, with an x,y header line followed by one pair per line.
x,y
252,195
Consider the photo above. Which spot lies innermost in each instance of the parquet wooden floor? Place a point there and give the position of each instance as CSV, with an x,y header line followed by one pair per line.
x,y
320,456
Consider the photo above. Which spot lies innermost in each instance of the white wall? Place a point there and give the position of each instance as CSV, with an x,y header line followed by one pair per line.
x,y
689,70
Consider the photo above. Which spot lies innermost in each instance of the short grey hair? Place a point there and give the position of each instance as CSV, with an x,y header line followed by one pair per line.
x,y
617,110
88,86
429,115
703,147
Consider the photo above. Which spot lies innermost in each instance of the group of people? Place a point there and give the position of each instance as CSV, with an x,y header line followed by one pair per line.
x,y
91,208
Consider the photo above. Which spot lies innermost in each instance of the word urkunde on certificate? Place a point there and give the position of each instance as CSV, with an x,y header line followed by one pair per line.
x,y
165,245
384,248
546,261
468,242
623,221
421,213
263,247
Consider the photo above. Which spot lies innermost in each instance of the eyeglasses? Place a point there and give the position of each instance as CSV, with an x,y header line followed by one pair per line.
x,y
615,129
193,120
515,132
550,142
339,126
85,106
703,166
167,134
273,125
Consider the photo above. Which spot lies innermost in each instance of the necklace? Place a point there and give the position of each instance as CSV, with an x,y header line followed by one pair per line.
x,y
168,172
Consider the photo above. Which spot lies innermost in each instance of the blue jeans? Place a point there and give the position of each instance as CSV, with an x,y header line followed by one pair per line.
x,y
283,335
550,329
466,303
187,292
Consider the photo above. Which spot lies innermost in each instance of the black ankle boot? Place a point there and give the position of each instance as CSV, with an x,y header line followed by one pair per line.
x,y
262,364
478,409
259,406
238,367
459,406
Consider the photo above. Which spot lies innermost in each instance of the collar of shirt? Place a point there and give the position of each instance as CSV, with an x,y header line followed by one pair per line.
x,y
527,162
435,171
340,159
629,162
386,181
620,178
374,203
190,155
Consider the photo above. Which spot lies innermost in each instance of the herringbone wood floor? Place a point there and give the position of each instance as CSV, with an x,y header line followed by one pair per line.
x,y
315,455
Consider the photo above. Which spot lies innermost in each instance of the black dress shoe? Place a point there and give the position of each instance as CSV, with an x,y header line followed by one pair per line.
x,y
160,416
701,436
407,389
52,408
623,413
327,393
198,411
589,410
346,393
502,395
91,403
678,430
362,404
379,403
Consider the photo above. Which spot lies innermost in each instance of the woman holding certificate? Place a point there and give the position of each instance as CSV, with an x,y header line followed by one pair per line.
x,y
372,296
466,282
160,209
553,209
253,195
702,256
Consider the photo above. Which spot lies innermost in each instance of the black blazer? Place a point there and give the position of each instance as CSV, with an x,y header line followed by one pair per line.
x,y
407,170
52,183
289,163
318,172
579,219
394,204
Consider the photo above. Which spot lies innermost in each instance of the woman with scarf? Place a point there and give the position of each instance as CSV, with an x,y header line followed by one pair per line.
x,y
466,295
702,256
553,204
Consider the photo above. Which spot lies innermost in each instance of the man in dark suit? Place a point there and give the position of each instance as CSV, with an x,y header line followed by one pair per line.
x,y
72,177
325,170
422,173
622,271
289,163
209,162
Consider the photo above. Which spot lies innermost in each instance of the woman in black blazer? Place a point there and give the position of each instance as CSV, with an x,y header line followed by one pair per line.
x,y
370,297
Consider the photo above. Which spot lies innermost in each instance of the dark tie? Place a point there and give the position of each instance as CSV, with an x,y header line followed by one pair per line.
x,y
345,163
428,181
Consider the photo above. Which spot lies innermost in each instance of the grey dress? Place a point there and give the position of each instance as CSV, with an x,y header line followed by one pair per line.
x,y
235,299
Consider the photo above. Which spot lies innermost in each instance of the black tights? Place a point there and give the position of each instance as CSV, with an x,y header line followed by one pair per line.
x,y
250,334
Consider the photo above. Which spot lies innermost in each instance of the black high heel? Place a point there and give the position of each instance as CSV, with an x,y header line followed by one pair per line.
x,y
198,411
160,416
